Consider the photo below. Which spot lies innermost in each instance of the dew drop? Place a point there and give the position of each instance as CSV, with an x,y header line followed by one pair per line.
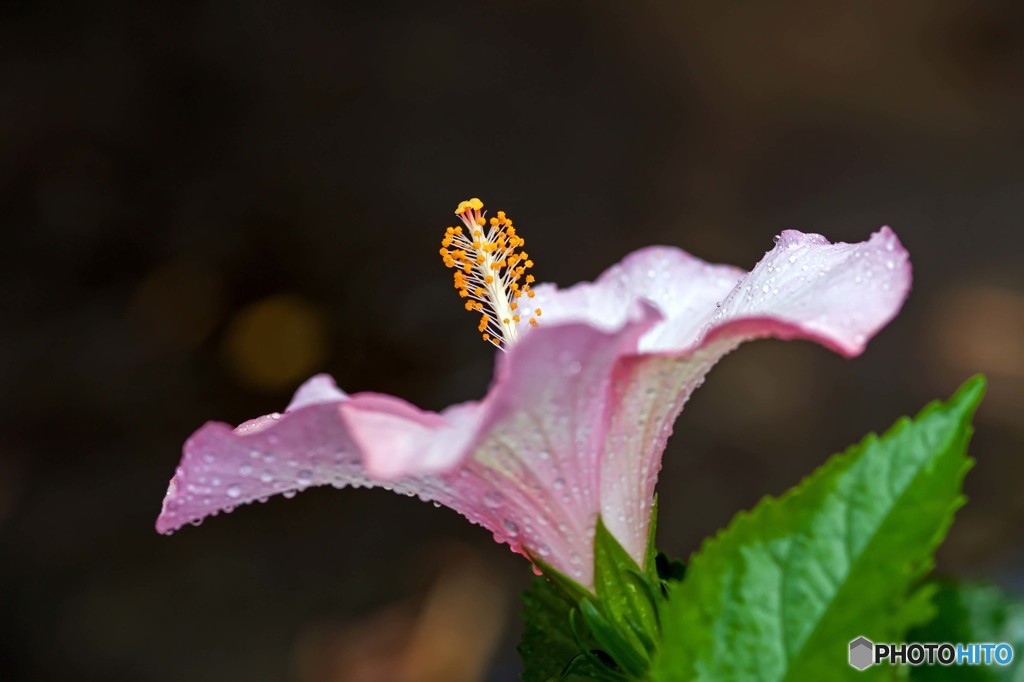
x,y
493,499
245,470
288,494
266,477
234,491
304,477
511,527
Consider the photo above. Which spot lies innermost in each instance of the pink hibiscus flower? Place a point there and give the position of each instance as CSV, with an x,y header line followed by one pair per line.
x,y
576,419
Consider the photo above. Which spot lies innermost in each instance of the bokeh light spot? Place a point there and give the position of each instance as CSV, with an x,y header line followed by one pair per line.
x,y
177,305
276,342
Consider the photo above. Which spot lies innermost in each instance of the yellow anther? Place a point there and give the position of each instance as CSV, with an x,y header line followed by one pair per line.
x,y
488,264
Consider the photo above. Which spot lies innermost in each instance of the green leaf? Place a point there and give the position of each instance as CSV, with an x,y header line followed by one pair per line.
x,y
973,612
607,635
613,640
622,596
782,591
547,646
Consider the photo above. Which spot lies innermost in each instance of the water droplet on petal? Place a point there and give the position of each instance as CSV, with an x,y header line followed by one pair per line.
x,y
511,527
493,499
288,494
266,477
245,470
234,491
304,477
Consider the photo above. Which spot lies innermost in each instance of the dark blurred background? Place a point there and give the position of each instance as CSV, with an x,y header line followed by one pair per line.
x,y
204,203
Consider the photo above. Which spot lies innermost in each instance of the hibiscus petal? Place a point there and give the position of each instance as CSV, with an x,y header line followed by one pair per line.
x,y
528,453
319,389
402,440
838,295
684,288
222,467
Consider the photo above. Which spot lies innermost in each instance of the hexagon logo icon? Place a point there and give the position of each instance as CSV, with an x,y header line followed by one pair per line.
x,y
862,652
